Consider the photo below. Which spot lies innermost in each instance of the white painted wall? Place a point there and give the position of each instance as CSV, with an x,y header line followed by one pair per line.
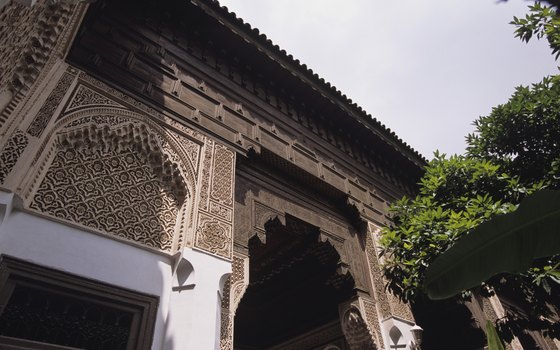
x,y
186,319
404,329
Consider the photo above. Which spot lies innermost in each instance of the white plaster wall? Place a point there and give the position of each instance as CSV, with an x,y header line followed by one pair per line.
x,y
403,326
186,318
195,320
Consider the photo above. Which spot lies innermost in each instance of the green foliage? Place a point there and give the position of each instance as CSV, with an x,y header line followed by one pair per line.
x,y
506,243
494,342
523,135
456,195
541,21
513,152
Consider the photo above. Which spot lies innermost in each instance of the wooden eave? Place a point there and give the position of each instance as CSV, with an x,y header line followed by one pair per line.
x,y
309,82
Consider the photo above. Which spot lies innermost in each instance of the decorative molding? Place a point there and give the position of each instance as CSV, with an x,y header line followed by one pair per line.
x,y
11,152
48,108
31,34
370,312
125,99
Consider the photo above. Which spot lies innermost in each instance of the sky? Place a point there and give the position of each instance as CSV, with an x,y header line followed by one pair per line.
x,y
424,68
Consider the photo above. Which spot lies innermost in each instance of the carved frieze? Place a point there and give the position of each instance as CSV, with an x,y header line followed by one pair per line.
x,y
29,34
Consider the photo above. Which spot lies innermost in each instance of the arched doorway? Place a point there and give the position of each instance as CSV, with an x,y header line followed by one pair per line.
x,y
295,288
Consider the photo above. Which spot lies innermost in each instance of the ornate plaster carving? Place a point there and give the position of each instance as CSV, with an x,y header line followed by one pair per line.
x,y
233,292
117,176
388,304
370,311
11,153
29,34
137,105
214,236
84,97
215,222
48,108
222,180
356,330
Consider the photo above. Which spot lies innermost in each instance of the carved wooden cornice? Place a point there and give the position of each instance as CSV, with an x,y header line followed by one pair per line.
x,y
196,67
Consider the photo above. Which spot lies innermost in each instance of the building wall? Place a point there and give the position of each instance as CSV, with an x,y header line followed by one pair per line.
x,y
181,241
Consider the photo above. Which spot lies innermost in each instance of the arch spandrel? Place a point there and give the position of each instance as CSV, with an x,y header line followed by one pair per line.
x,y
116,173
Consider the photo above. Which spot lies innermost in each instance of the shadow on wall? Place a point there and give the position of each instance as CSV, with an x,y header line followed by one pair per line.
x,y
447,325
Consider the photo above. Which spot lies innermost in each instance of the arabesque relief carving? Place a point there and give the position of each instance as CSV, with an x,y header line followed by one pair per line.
x,y
11,153
388,304
47,110
215,222
114,179
356,330
222,181
233,292
214,236
33,39
84,97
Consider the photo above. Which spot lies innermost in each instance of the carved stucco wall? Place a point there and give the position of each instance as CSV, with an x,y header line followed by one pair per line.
x,y
115,179
233,292
354,323
105,161
33,39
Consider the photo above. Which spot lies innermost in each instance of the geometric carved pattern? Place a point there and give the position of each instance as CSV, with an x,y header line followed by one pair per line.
x,y
115,181
356,331
11,152
205,176
214,237
214,232
233,292
389,304
85,96
29,34
377,277
222,181
44,115
373,322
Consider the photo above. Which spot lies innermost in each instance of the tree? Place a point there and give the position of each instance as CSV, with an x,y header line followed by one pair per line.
x,y
514,152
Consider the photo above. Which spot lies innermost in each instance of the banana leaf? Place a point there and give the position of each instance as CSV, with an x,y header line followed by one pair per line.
x,y
506,243
494,342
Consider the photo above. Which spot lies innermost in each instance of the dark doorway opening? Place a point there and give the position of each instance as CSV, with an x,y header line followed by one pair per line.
x,y
295,286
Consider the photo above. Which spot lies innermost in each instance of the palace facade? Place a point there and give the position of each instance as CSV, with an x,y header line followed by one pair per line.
x,y
170,179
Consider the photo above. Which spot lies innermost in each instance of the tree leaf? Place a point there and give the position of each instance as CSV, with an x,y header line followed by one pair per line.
x,y
494,342
506,243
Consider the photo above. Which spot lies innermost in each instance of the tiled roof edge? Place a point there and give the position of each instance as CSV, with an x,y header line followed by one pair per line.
x,y
262,39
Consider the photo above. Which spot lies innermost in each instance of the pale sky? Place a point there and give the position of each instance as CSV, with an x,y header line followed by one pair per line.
x,y
424,68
